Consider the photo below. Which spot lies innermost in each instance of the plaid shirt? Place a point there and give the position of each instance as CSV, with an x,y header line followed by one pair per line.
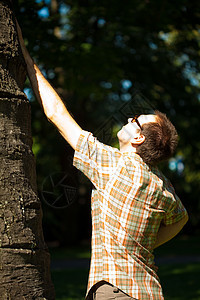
x,y
129,202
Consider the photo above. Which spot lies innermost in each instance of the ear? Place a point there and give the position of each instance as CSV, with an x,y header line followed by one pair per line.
x,y
138,140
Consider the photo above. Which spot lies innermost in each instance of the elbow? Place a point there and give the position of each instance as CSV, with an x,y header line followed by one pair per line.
x,y
50,114
55,111
186,219
183,221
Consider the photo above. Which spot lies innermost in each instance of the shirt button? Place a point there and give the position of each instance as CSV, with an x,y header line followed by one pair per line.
x,y
115,289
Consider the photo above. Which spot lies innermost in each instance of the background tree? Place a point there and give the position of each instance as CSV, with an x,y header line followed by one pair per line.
x,y
24,271
100,56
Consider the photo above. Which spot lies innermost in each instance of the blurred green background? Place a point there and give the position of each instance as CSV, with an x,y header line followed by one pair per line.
x,y
109,60
178,262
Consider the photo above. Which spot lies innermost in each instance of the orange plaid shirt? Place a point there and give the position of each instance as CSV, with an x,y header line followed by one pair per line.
x,y
129,202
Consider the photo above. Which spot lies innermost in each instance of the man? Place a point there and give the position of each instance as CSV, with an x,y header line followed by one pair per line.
x,y
134,207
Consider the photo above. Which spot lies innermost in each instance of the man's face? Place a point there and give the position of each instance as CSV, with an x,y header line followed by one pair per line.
x,y
131,130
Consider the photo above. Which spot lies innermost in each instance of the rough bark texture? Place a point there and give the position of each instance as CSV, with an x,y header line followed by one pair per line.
x,y
24,257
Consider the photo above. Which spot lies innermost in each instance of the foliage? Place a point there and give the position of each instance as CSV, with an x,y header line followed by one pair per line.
x,y
99,55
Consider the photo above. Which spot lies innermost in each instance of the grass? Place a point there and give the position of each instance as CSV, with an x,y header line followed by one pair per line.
x,y
180,281
71,252
70,284
181,245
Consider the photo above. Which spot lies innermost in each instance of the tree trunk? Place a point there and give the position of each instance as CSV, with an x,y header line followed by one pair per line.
x,y
24,257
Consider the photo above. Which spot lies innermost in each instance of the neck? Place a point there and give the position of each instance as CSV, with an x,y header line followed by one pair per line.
x,y
126,147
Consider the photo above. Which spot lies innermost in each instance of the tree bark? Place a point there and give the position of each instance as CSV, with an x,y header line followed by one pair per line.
x,y
24,257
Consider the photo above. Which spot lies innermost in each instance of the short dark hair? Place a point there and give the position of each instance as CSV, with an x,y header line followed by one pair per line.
x,y
161,139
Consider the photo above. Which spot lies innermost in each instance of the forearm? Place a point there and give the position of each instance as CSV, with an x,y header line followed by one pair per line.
x,y
45,94
167,232
53,106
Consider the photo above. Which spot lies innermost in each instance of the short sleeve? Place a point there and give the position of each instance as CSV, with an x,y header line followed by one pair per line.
x,y
95,159
177,212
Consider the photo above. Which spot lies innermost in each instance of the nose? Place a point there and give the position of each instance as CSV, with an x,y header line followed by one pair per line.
x,y
130,120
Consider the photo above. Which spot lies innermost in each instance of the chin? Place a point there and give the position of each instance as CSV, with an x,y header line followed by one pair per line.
x,y
120,135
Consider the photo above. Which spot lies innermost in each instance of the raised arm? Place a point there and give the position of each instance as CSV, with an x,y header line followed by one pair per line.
x,y
52,104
